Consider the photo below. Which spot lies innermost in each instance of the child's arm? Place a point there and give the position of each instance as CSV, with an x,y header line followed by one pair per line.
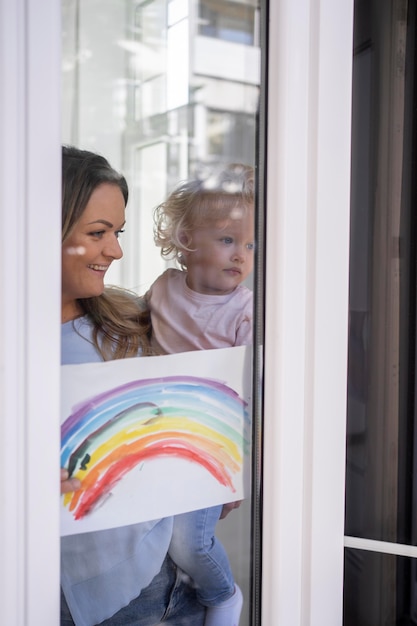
x,y
244,316
244,332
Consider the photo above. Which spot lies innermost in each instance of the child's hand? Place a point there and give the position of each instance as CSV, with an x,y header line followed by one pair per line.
x,y
229,506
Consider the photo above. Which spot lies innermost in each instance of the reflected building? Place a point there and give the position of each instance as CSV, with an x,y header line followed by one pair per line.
x,y
164,90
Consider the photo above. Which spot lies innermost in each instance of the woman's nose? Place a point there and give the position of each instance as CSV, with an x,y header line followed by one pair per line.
x,y
113,249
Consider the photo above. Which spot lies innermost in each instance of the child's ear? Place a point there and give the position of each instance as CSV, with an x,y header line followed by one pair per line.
x,y
185,241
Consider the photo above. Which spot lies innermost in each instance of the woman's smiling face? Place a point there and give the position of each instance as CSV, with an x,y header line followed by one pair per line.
x,y
92,246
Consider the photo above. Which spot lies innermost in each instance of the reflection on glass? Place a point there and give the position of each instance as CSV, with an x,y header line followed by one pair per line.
x,y
381,461
379,589
166,91
147,59
231,21
139,74
380,443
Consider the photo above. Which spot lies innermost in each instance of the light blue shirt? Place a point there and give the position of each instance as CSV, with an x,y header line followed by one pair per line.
x,y
101,572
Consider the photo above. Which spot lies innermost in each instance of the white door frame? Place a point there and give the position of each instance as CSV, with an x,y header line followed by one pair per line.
x,y
30,310
307,252
309,98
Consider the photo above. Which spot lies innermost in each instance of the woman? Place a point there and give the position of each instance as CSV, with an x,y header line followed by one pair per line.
x,y
120,576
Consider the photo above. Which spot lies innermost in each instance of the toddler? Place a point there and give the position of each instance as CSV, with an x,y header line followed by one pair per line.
x,y
207,226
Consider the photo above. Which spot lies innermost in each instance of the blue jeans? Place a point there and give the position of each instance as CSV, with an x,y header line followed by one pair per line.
x,y
195,549
168,599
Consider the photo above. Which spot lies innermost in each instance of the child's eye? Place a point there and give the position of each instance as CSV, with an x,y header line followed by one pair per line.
x,y
227,240
250,246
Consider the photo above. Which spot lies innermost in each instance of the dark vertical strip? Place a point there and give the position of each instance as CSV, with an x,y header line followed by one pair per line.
x,y
407,477
259,316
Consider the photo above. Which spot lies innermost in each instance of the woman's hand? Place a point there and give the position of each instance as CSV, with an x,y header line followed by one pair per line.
x,y
229,506
68,484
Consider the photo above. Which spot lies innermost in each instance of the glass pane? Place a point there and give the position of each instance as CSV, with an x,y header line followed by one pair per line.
x,y
382,315
381,411
167,91
379,589
231,21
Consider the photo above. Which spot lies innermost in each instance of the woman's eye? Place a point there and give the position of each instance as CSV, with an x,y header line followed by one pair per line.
x,y
119,232
97,234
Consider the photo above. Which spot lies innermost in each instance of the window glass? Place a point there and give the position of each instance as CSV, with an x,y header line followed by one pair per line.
x,y
382,597
381,409
147,59
231,21
151,86
230,134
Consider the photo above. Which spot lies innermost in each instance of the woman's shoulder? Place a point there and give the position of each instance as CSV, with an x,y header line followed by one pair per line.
x,y
77,344
80,325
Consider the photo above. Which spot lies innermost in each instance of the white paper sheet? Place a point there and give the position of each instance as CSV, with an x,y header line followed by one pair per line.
x,y
156,436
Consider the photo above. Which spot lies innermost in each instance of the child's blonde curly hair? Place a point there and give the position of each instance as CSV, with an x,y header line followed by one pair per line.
x,y
200,202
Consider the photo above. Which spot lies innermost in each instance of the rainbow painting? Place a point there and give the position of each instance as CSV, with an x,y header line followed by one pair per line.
x,y
193,425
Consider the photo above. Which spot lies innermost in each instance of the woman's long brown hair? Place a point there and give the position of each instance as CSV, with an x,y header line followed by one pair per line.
x,y
121,321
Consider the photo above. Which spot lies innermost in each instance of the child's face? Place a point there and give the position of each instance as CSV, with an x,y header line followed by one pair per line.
x,y
222,255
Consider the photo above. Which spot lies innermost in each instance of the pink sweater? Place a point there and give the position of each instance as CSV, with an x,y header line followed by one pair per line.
x,y
184,320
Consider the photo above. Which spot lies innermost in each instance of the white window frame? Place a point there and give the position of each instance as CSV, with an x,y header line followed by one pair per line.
x,y
307,263
308,165
30,184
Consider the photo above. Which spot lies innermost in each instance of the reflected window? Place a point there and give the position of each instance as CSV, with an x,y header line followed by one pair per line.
x,y
230,135
148,58
231,21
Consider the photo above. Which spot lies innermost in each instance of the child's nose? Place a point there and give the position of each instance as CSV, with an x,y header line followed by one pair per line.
x,y
239,254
